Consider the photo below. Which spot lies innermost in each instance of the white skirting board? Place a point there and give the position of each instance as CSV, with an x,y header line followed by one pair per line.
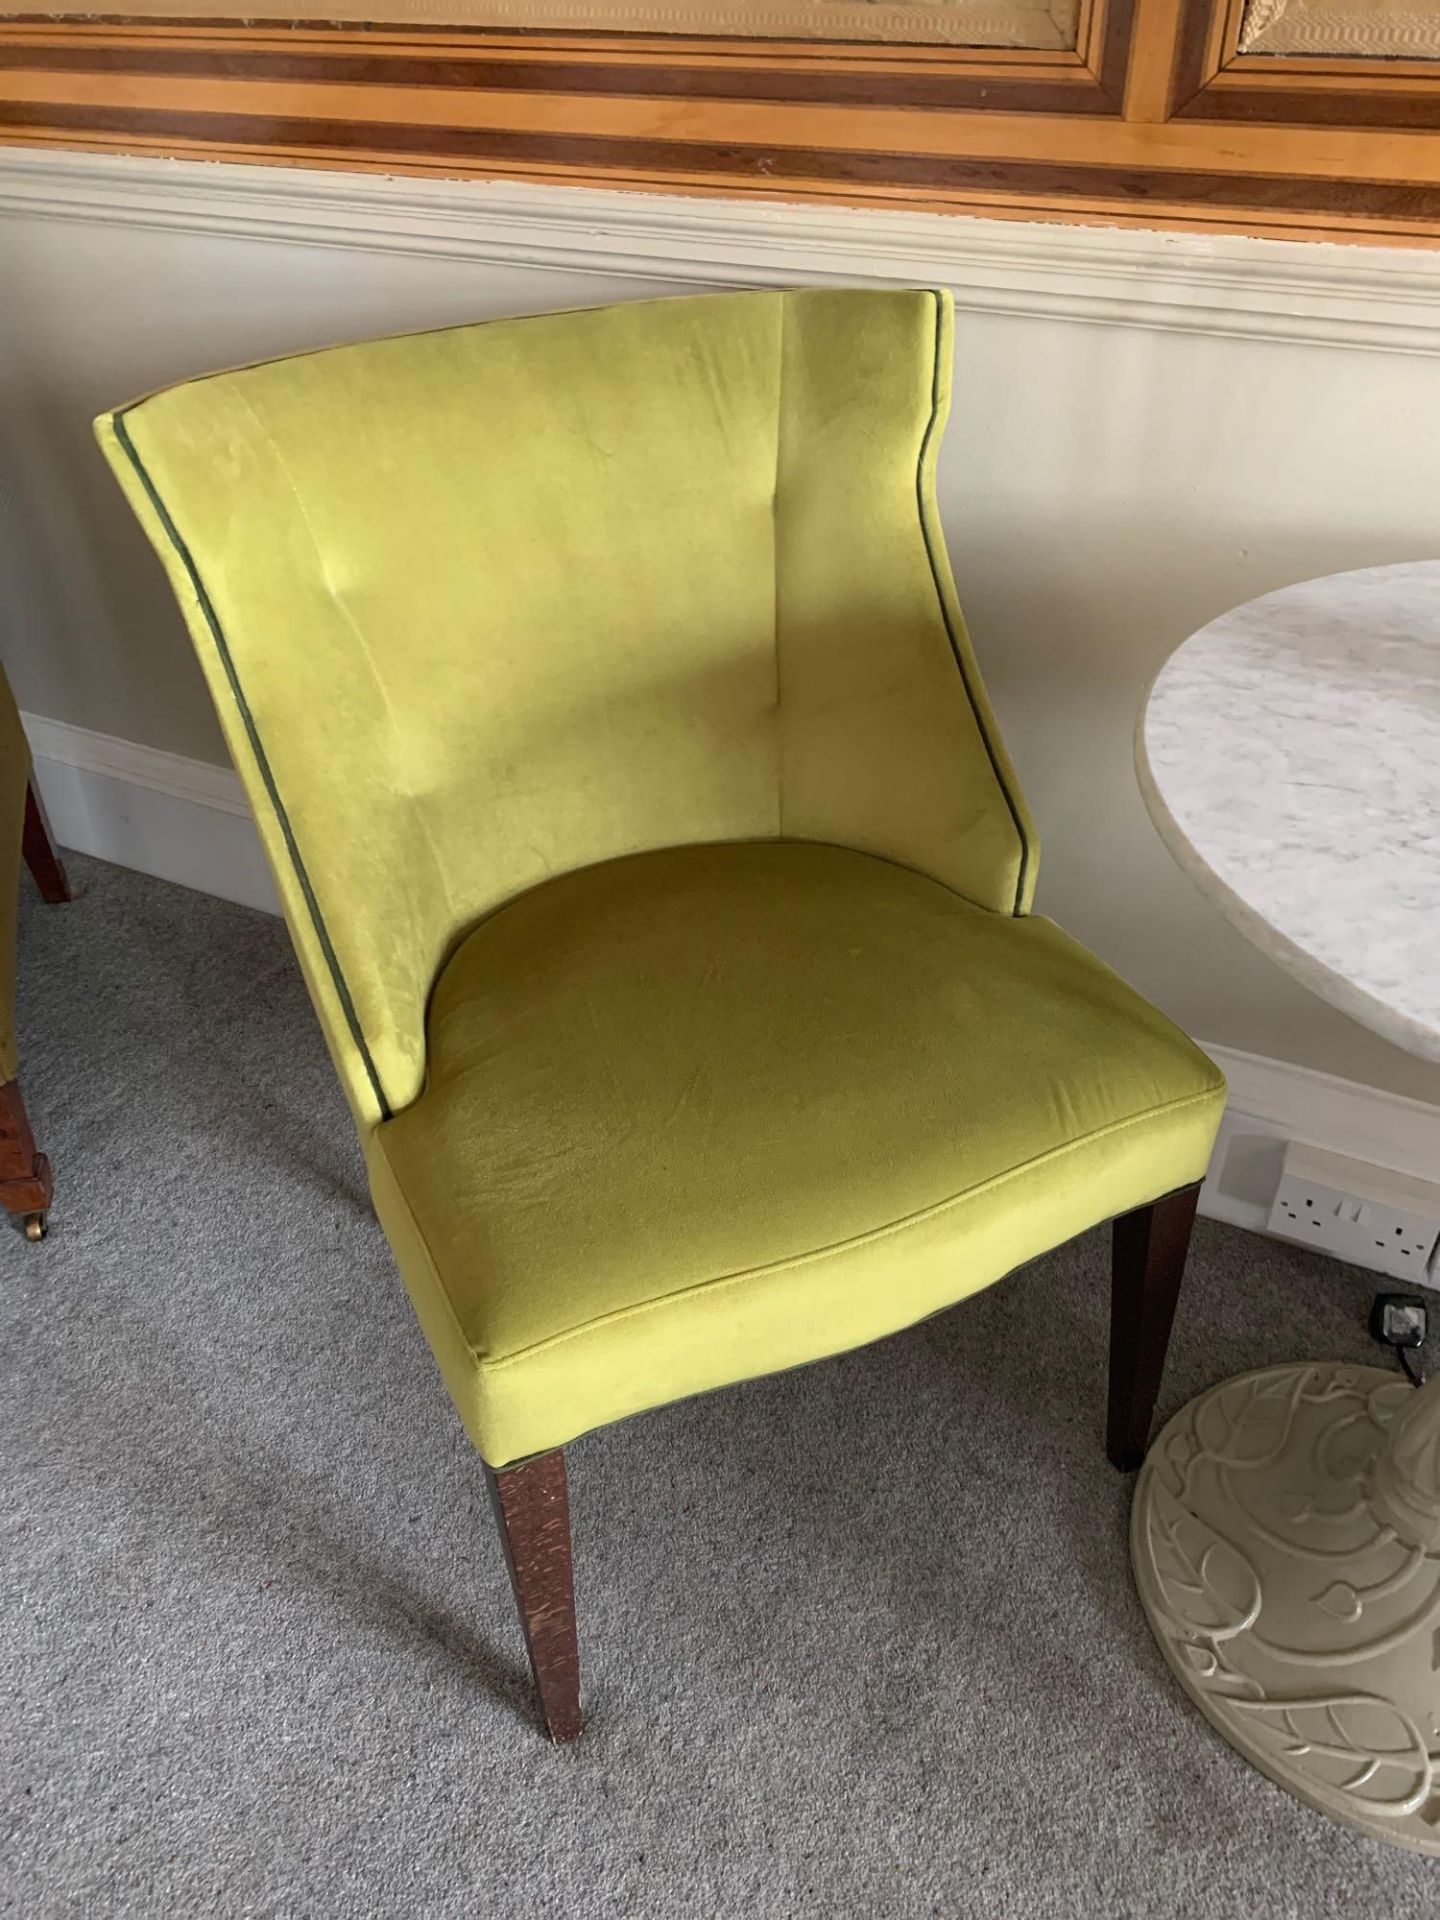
x,y
178,819
188,821
1272,1102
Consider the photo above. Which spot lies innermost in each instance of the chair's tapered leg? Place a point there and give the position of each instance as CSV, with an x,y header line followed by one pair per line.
x,y
25,1182
41,854
532,1508
1148,1251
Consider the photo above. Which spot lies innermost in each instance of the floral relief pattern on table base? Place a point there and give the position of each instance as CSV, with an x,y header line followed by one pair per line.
x,y
1286,1543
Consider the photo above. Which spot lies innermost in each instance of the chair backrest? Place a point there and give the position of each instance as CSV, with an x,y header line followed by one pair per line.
x,y
483,605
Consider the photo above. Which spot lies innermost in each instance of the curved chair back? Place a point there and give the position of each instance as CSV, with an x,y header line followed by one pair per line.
x,y
487,604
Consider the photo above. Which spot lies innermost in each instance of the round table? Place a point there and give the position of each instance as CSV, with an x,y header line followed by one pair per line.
x,y
1286,1525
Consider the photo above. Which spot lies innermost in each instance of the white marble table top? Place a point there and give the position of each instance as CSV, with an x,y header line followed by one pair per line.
x,y
1290,756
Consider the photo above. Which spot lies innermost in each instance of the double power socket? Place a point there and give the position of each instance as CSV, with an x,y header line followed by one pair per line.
x,y
1367,1215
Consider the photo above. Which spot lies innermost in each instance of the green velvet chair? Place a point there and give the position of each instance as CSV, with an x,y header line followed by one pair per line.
x,y
26,1184
654,861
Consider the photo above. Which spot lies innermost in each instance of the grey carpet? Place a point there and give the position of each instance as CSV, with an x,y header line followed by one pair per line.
x,y
859,1640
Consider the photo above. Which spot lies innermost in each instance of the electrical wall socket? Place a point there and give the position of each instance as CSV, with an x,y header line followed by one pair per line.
x,y
1366,1215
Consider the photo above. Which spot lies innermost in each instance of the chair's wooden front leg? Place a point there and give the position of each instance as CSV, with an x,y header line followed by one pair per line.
x,y
25,1182
42,856
532,1507
1148,1251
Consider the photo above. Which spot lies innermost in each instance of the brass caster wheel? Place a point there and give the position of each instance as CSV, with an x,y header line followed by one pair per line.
x,y
36,1226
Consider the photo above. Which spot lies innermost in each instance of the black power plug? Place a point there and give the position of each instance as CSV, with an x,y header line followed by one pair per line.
x,y
1399,1320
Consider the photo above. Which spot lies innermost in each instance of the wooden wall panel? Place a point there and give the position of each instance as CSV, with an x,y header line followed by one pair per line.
x,y
1155,118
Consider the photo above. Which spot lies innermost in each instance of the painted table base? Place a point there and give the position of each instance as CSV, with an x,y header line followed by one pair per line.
x,y
1286,1543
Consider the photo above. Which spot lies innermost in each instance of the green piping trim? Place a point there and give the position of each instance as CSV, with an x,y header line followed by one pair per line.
x,y
955,646
352,1019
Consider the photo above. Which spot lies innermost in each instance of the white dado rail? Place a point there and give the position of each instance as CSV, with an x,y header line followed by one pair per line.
x,y
1366,297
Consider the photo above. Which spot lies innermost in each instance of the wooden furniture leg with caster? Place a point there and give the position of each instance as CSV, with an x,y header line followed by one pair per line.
x,y
25,1182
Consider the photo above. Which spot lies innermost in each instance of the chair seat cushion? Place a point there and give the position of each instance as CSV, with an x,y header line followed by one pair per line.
x,y
706,1112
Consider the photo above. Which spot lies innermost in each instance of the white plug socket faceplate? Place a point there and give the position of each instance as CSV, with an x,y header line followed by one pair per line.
x,y
1367,1215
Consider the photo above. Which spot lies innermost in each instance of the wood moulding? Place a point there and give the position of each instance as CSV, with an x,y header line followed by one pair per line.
x,y
1214,81
1154,119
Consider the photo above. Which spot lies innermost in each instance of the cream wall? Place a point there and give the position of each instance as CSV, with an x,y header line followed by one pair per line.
x,y
1145,432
